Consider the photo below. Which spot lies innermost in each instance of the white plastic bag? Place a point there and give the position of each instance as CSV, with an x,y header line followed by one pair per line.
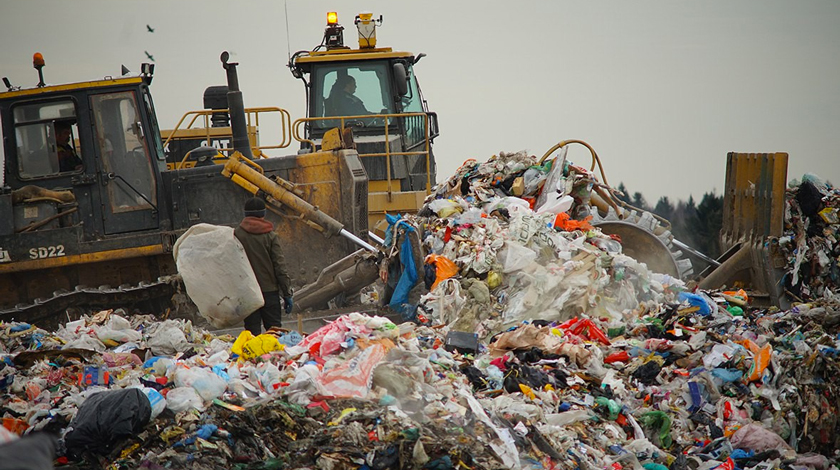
x,y
515,257
217,274
167,339
156,400
207,384
183,398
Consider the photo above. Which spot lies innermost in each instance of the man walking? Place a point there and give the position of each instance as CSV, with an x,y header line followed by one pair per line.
x,y
262,246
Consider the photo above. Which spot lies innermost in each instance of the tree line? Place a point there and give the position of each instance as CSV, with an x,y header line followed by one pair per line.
x,y
696,225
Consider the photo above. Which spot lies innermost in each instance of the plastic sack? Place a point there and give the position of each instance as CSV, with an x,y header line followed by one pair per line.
x,y
167,339
705,305
515,257
204,381
660,420
444,268
156,401
183,398
756,438
408,278
105,418
217,274
249,346
352,378
35,451
761,359
445,207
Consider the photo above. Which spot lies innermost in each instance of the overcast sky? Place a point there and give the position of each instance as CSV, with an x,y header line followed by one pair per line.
x,y
661,89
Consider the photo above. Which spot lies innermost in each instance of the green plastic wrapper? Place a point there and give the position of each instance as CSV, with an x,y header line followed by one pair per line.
x,y
658,419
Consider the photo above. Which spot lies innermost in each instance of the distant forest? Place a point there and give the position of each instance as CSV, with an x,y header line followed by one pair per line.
x,y
696,225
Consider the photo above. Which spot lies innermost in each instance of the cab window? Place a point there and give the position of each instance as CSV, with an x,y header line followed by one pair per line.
x,y
47,138
351,90
121,143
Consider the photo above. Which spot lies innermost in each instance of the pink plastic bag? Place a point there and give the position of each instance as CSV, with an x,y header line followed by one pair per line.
x,y
353,378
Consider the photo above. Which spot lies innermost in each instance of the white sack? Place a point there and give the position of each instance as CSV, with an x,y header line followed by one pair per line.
x,y
217,274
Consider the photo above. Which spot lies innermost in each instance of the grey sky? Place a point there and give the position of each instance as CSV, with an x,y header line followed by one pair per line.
x,y
661,89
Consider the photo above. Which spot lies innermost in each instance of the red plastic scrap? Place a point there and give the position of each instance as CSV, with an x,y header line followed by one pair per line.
x,y
621,356
319,404
500,363
588,328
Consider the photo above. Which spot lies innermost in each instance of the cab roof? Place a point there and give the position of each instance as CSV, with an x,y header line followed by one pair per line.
x,y
341,55
105,82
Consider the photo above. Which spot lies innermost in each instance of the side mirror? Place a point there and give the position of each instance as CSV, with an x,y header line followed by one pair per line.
x,y
401,78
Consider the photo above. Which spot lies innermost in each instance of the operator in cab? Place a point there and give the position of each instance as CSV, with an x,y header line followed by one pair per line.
x,y
68,160
343,100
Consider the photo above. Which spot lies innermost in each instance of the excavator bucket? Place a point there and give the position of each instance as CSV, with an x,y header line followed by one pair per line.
x,y
753,221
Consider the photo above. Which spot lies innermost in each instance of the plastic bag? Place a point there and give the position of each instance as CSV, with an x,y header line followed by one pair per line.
x,y
117,329
445,207
217,274
156,401
515,257
352,378
106,418
183,398
204,381
34,451
249,346
444,268
167,339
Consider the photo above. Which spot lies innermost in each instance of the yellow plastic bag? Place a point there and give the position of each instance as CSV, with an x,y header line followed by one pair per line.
x,y
261,344
494,279
249,346
243,338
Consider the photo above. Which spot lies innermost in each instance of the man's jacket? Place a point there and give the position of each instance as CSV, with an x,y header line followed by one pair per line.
x,y
262,246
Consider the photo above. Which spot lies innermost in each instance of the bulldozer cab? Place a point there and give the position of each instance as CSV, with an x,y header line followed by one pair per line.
x,y
80,183
373,91
96,141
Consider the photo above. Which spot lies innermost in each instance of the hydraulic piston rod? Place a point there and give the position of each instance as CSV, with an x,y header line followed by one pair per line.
x,y
239,171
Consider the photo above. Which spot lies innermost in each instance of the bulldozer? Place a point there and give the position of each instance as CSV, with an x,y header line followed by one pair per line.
x,y
393,131
100,229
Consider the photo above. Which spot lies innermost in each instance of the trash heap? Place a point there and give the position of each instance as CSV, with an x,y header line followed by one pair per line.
x,y
538,345
515,263
811,242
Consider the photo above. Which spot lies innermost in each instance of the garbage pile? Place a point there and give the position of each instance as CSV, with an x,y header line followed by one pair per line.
x,y
538,345
811,242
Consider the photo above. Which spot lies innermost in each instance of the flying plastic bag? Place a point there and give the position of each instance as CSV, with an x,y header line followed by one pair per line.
x,y
217,274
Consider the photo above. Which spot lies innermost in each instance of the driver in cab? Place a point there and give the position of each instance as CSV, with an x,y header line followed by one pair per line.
x,y
68,160
343,101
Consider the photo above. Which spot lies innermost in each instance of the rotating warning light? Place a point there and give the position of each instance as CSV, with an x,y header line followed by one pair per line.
x,y
334,32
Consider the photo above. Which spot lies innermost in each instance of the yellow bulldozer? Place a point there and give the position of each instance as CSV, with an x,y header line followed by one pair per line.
x,y
392,128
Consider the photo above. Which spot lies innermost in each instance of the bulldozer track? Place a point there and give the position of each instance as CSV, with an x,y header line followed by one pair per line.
x,y
45,311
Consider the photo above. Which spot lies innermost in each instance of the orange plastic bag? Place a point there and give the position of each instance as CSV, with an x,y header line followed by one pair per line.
x,y
566,223
444,268
761,359
740,293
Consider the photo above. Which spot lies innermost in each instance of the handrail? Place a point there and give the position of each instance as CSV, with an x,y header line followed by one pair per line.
x,y
386,119
253,122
